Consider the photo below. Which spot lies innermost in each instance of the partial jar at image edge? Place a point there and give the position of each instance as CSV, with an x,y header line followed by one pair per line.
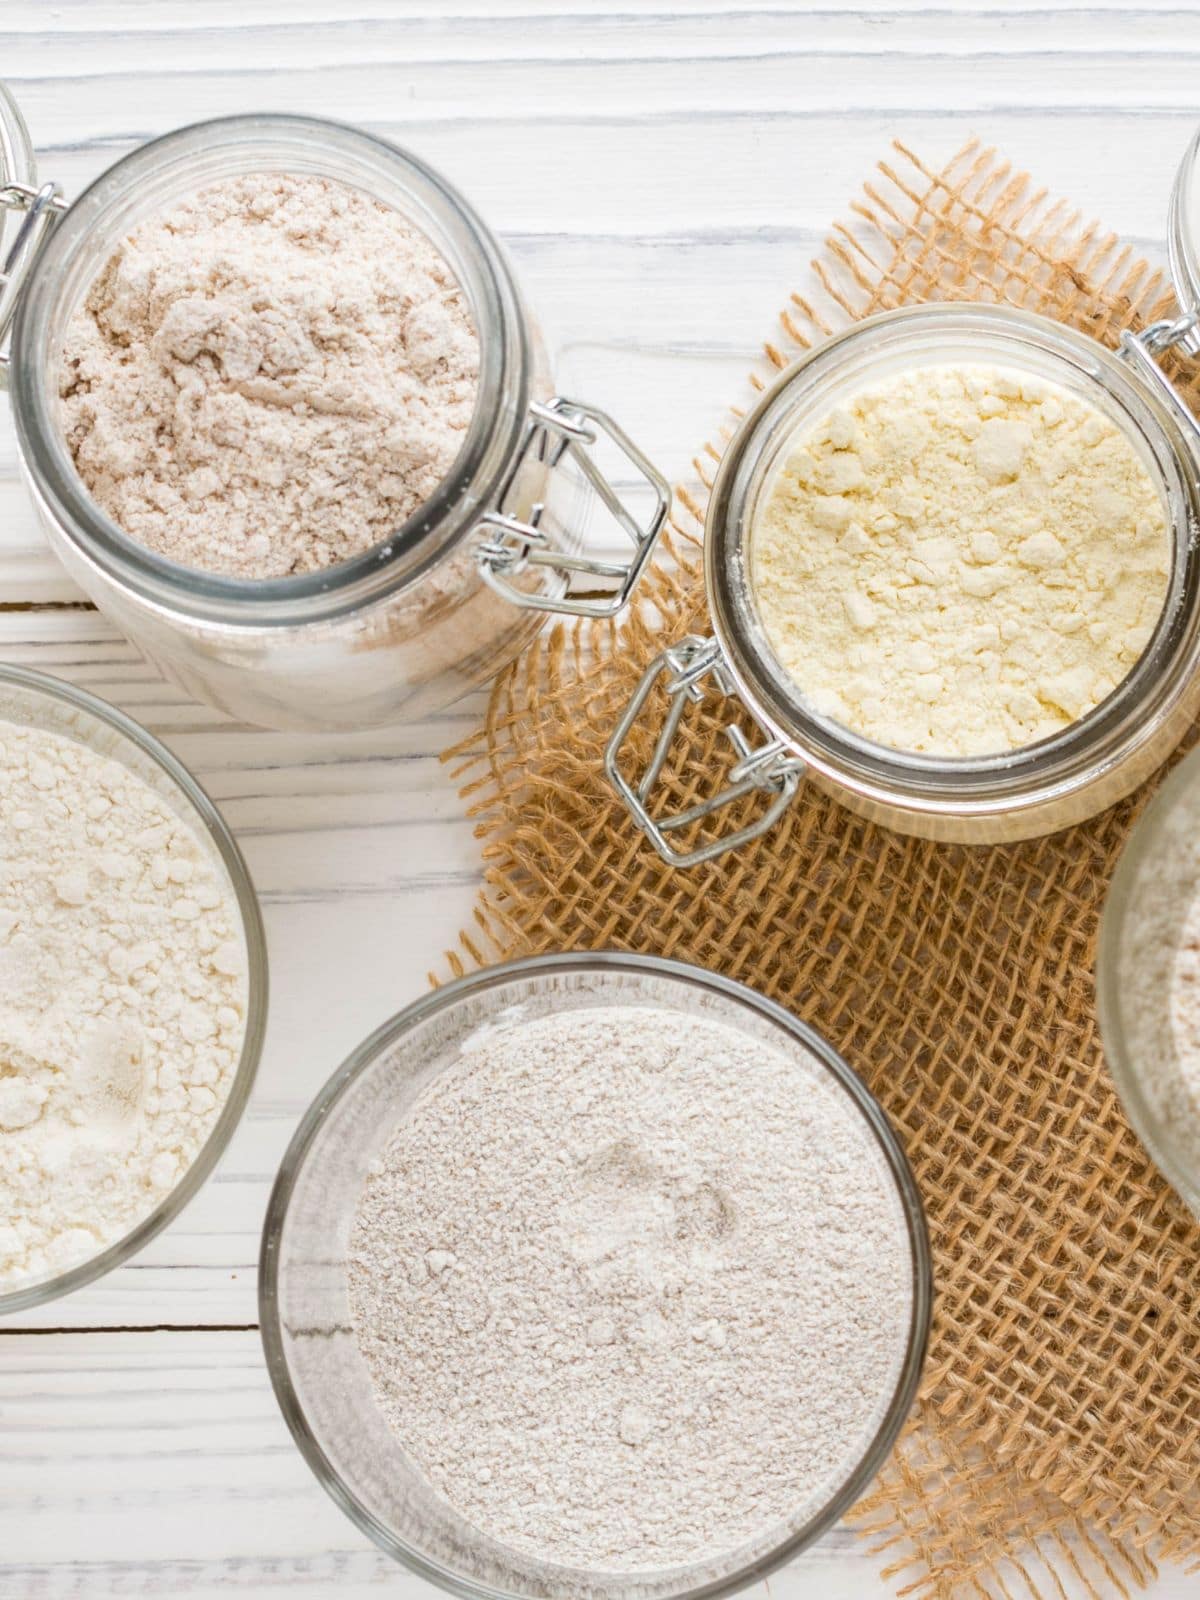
x,y
395,634
1022,793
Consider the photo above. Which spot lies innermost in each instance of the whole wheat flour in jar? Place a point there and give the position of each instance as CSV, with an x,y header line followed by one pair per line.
x,y
633,1288
123,996
269,378
961,560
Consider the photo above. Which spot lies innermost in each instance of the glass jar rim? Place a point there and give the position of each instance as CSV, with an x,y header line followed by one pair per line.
x,y
478,473
384,1041
214,827
960,786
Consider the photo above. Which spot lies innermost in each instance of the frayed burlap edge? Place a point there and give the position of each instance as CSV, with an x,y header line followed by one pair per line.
x,y
1053,1446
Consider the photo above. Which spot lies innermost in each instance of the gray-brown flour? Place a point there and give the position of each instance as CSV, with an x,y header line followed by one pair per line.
x,y
633,1289
270,377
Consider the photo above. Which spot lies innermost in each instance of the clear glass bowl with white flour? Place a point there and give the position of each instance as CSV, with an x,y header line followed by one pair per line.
x,y
1148,979
307,452
133,987
953,578
594,1274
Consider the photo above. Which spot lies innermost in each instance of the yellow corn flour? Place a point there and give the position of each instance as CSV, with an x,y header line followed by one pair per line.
x,y
960,560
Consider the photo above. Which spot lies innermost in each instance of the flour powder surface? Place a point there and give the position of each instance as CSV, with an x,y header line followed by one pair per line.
x,y
122,1000
960,560
270,377
633,1287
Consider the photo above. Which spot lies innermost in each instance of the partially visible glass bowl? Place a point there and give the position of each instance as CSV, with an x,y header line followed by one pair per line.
x,y
320,1378
35,700
1156,882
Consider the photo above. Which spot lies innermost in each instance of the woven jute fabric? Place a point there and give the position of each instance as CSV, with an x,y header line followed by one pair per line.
x,y
1055,1448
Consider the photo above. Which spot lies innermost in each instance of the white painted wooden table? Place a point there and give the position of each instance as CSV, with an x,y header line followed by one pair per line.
x,y
662,172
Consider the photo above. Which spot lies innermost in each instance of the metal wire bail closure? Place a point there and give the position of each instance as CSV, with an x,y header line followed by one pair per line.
x,y
512,544
42,208
1143,349
770,767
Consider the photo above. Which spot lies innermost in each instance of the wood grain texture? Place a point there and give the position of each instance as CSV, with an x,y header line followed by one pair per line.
x,y
661,173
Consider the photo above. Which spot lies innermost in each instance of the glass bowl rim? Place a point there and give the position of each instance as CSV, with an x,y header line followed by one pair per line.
x,y
214,828
383,1039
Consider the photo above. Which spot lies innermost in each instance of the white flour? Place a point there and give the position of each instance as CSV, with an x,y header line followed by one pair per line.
x,y
269,378
122,1000
633,1289
961,560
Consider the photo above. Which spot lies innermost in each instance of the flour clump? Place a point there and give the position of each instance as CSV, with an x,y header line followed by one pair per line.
x,y
269,378
633,1288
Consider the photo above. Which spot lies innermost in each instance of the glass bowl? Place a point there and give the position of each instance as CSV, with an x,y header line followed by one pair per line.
x,y
1156,882
322,1381
32,699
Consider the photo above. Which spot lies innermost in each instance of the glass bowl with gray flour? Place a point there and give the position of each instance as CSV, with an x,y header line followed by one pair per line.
x,y
594,1275
1148,979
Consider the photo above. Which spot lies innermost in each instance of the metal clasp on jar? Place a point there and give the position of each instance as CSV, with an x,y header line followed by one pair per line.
x,y
1143,349
511,545
690,668
42,207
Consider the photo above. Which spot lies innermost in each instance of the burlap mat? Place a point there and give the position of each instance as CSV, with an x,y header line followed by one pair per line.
x,y
1055,1447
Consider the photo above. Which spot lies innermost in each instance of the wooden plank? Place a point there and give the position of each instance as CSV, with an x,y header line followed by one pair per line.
x,y
115,20
158,1463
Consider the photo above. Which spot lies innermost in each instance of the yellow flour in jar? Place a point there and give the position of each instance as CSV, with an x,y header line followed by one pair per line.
x,y
960,560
